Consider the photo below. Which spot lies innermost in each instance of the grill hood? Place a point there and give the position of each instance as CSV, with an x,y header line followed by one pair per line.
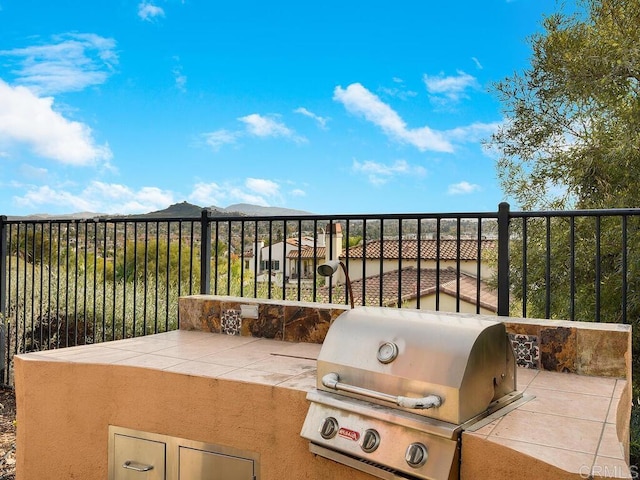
x,y
448,367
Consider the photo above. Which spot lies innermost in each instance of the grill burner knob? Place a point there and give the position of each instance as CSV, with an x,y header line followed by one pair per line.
x,y
416,455
370,440
329,428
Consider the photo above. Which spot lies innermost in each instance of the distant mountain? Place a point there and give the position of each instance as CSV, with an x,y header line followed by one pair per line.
x,y
186,209
57,216
257,210
177,210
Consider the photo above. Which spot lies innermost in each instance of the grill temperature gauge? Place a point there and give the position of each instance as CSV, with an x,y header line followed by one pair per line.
x,y
387,352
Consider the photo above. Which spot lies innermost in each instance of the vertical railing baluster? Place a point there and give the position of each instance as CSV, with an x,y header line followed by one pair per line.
x,y
438,256
503,259
381,266
625,272
598,278
205,253
547,275
524,266
572,267
400,242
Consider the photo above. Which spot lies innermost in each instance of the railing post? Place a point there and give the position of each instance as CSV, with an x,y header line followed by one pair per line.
x,y
3,296
205,252
503,259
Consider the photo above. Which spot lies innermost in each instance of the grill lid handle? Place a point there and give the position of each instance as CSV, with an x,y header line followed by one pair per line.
x,y
332,380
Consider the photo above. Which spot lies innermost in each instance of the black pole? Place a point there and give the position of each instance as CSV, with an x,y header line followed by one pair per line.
x,y
3,295
503,259
205,252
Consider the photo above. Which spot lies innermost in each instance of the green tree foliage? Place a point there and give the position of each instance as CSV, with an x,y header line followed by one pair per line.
x,y
141,261
571,140
572,136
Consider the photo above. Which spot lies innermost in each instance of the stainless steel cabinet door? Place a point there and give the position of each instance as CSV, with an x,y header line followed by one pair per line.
x,y
203,465
138,459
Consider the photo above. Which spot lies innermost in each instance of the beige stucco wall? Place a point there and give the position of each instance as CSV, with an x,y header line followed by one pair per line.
x,y
373,267
447,304
64,410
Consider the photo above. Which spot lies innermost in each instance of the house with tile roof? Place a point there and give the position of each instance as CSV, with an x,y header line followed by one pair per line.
x,y
425,288
377,257
293,258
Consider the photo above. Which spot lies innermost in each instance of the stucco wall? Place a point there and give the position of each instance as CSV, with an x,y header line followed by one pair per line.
x,y
64,410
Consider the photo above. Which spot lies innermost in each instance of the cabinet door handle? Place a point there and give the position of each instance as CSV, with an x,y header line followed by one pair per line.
x,y
137,467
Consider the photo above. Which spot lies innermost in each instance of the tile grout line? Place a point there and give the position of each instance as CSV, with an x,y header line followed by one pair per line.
x,y
601,437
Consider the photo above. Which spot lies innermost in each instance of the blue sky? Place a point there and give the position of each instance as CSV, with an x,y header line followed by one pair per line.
x,y
330,107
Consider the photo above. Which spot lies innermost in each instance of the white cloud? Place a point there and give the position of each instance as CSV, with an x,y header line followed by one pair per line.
x,y
73,62
463,188
263,187
322,121
34,173
472,133
220,137
29,120
360,101
207,194
379,173
262,126
296,192
148,11
398,91
97,197
477,63
256,191
452,88
180,78
256,125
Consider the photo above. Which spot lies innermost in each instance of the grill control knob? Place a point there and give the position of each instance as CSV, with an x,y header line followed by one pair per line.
x,y
370,440
329,428
416,455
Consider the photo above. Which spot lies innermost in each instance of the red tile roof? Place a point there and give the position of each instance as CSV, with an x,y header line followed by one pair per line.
x,y
307,252
391,249
408,278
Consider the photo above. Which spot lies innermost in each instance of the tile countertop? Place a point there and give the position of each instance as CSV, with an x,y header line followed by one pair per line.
x,y
570,423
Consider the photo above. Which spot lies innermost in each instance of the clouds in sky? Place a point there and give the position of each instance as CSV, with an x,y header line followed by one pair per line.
x,y
31,121
115,198
322,121
361,102
379,173
98,197
443,88
148,12
256,191
73,62
256,125
463,188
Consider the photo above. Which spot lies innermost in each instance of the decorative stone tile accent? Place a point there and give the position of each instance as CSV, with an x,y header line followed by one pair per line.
x,y
558,349
231,322
308,325
603,355
526,350
269,324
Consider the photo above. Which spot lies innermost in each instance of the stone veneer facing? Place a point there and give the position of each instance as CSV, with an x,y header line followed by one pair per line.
x,y
276,319
585,348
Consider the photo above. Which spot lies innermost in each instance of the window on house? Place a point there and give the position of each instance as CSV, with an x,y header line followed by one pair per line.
x,y
273,265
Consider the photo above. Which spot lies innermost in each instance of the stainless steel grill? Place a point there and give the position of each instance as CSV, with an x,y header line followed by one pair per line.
x,y
396,387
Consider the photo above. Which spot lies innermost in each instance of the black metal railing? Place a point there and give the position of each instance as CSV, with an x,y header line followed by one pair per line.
x,y
72,282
